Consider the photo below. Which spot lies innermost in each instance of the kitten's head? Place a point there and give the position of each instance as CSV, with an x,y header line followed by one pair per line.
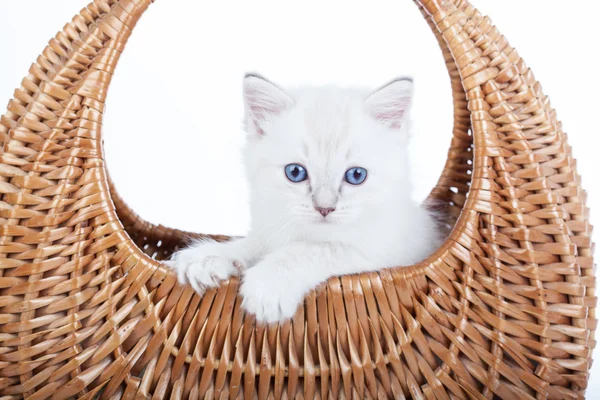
x,y
326,157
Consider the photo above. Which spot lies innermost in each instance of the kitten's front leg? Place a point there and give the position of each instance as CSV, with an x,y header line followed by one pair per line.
x,y
275,287
271,289
206,263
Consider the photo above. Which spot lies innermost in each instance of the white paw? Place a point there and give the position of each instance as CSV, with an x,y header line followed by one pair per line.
x,y
205,265
268,296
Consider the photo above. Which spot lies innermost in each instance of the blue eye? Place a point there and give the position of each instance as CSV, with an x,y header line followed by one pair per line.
x,y
295,173
356,175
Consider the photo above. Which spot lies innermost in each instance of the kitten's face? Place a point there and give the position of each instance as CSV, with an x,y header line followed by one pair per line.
x,y
325,157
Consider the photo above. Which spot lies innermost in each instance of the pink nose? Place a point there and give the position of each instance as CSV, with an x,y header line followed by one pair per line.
x,y
325,211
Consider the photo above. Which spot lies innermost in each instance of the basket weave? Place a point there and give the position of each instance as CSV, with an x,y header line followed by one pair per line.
x,y
504,309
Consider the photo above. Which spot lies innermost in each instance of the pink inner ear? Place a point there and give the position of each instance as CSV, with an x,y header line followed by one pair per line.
x,y
261,107
257,128
392,114
263,110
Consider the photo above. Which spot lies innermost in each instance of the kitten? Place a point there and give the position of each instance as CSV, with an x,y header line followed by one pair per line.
x,y
330,195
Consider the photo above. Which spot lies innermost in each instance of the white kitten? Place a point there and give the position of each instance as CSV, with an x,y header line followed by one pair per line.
x,y
330,195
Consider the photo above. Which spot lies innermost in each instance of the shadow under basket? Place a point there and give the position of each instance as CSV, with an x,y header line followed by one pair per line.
x,y
504,309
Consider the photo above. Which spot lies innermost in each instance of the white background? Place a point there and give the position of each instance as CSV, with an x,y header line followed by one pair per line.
x,y
172,126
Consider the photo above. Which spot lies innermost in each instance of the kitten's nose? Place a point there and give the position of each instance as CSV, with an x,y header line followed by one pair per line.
x,y
325,211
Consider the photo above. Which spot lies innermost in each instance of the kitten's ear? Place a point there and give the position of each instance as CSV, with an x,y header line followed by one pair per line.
x,y
263,100
391,103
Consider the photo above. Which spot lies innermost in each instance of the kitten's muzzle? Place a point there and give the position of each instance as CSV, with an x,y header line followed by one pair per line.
x,y
324,200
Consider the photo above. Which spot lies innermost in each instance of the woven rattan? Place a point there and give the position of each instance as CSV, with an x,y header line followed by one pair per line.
x,y
504,309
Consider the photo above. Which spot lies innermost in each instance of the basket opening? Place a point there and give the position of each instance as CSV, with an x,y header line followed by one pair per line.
x,y
159,242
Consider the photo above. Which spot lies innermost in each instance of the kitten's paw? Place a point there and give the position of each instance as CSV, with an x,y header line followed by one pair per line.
x,y
205,266
269,298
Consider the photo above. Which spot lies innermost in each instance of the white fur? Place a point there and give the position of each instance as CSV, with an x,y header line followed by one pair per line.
x,y
291,248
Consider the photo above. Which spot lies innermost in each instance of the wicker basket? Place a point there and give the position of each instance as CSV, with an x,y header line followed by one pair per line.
x,y
504,309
